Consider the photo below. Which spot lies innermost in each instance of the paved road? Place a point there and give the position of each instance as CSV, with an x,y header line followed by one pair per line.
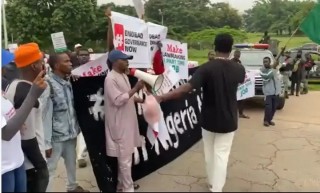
x,y
281,158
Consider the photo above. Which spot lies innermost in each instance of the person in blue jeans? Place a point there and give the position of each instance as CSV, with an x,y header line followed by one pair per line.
x,y
271,89
14,177
61,126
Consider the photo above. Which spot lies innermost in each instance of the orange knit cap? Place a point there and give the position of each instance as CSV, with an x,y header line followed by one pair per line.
x,y
27,54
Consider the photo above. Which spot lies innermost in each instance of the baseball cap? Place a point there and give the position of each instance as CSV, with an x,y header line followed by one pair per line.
x,y
117,54
6,57
77,45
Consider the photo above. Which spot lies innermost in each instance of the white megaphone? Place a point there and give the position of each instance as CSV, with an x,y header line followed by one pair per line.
x,y
155,81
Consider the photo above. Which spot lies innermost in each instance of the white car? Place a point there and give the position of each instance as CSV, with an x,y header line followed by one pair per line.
x,y
252,60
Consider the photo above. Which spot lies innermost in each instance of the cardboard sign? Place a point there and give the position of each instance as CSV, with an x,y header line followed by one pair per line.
x,y
59,43
130,35
156,33
96,67
171,78
175,54
247,89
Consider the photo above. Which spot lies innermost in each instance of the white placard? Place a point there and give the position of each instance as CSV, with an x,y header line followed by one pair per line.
x,y
175,54
156,33
130,35
247,88
96,67
171,78
58,41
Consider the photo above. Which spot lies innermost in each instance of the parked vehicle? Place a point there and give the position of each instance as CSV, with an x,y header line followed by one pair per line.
x,y
252,60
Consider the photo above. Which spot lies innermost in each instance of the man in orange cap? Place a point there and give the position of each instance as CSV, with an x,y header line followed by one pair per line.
x,y
29,61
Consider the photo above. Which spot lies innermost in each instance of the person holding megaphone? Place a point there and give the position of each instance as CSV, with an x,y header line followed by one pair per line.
x,y
121,122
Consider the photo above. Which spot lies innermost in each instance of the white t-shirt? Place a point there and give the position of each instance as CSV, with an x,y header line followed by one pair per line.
x,y
12,155
16,93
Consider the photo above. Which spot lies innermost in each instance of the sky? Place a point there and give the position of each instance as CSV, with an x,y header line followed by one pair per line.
x,y
241,5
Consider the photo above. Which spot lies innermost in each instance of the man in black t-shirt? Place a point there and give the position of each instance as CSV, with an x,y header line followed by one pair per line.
x,y
219,80
241,103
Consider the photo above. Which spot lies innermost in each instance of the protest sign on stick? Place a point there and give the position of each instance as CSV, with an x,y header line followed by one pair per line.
x,y
175,54
130,35
59,43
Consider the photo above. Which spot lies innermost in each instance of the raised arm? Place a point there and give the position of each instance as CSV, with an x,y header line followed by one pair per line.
x,y
15,123
110,45
196,81
275,65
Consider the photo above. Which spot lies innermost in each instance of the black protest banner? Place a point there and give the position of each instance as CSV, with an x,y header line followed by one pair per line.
x,y
180,130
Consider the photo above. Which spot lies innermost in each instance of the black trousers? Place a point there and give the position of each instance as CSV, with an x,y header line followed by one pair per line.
x,y
38,177
295,82
271,102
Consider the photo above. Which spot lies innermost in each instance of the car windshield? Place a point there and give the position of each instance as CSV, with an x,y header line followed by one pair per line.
x,y
254,59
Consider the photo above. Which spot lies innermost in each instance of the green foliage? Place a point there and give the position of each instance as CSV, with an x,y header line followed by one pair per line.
x,y
183,17
204,39
35,20
194,21
279,16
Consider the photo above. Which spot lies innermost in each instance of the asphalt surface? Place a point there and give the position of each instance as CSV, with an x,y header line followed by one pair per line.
x,y
285,157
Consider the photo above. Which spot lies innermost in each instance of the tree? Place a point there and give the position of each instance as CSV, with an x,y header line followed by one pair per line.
x,y
35,20
276,15
187,16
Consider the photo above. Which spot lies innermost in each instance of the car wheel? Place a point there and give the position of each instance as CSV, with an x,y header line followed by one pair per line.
x,y
281,103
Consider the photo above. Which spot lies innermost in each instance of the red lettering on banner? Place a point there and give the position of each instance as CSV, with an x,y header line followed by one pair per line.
x,y
174,49
93,71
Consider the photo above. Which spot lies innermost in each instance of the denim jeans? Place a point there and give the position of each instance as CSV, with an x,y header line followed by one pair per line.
x,y
15,180
66,150
271,102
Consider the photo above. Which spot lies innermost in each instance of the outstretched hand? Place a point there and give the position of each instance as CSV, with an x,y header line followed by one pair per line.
x,y
40,80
